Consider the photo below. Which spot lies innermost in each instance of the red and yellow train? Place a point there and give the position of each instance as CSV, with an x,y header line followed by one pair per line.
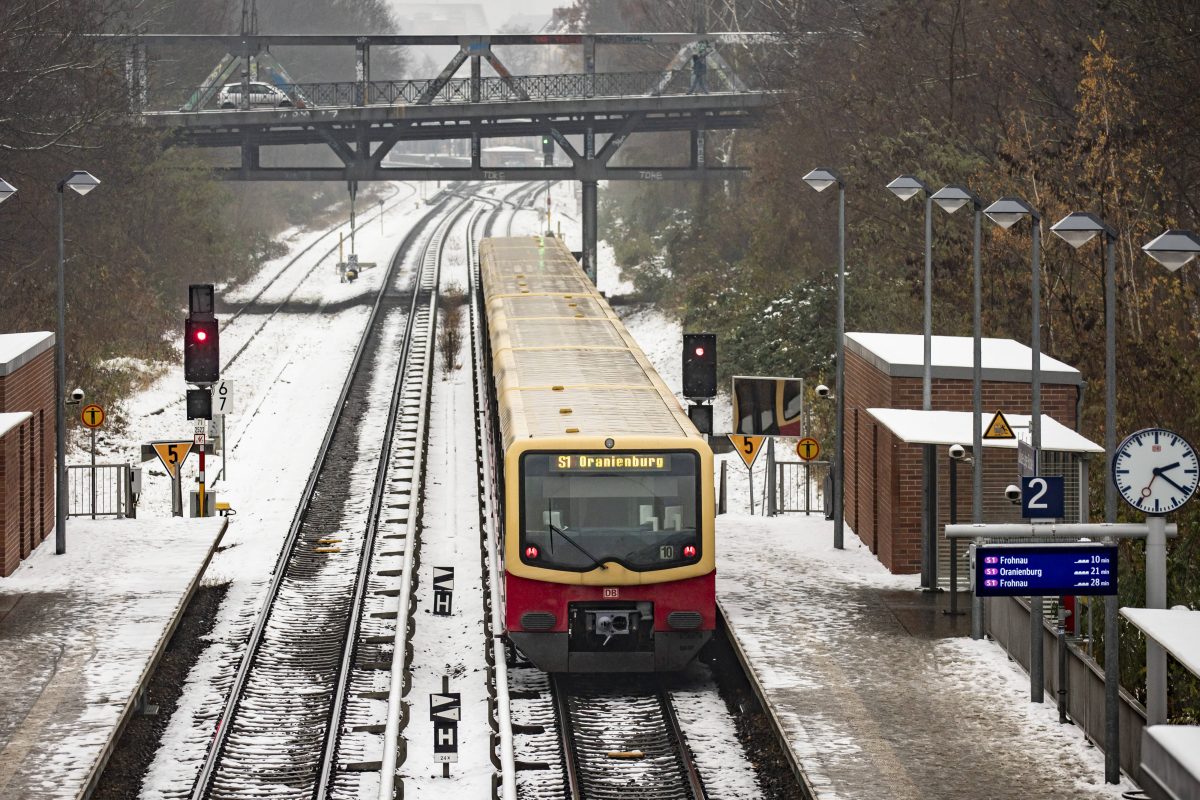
x,y
608,542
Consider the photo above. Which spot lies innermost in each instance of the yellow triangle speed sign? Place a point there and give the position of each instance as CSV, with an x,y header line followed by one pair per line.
x,y
172,455
748,447
998,428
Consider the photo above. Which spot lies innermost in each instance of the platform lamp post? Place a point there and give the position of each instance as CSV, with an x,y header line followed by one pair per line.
x,y
950,199
1173,249
82,183
1077,229
1006,212
822,179
907,187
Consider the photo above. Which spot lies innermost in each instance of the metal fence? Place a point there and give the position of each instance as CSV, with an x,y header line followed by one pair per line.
x,y
104,493
800,486
458,90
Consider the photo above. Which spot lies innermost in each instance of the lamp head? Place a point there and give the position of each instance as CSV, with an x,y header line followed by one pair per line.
x,y
1008,211
1173,249
1079,228
953,197
82,182
906,187
7,190
822,179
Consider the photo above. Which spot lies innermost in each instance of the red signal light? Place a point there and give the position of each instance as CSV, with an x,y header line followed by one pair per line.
x,y
699,352
201,335
689,551
531,552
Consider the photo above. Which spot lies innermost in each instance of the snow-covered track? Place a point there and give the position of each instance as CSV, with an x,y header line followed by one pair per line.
x,y
620,738
489,525
391,202
310,698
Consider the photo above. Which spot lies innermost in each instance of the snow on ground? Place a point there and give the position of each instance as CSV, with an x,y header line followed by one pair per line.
x,y
287,383
453,646
860,698
85,626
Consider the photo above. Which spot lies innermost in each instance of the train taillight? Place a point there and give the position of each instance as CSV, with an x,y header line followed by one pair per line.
x,y
531,552
689,551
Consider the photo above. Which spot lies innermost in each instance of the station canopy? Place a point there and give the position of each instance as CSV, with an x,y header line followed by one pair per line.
x,y
902,355
1176,629
914,426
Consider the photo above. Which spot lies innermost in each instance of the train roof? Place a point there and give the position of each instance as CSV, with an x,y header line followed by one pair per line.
x,y
563,362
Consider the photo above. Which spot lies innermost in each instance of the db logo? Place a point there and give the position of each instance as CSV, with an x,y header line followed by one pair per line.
x,y
612,594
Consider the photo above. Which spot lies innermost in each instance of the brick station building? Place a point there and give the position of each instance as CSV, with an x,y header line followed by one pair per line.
x,y
883,473
26,444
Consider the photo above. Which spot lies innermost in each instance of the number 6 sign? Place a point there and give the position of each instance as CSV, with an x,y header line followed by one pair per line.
x,y
1042,497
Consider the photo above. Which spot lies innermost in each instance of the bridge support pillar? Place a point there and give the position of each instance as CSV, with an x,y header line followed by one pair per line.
x,y
589,229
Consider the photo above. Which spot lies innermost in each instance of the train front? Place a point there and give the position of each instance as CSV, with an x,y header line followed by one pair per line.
x,y
609,552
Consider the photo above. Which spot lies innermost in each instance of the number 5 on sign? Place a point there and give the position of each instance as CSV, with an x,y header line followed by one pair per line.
x,y
222,398
1042,498
748,447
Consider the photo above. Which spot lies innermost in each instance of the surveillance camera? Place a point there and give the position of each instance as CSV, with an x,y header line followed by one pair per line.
x,y
957,451
77,395
1013,493
822,391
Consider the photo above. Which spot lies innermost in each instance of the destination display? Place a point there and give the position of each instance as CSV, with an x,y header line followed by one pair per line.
x,y
1045,569
610,462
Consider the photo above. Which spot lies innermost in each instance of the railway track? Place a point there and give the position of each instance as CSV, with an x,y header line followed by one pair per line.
x,y
620,737
318,683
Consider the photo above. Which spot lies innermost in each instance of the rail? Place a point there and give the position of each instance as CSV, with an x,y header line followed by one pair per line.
x,y
489,514
598,715
305,556
395,698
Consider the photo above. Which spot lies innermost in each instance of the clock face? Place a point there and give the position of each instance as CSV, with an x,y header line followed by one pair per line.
x,y
1155,470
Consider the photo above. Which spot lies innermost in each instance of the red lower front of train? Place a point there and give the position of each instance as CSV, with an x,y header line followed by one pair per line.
x,y
658,627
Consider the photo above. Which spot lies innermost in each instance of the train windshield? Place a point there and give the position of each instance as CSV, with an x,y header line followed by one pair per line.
x,y
637,508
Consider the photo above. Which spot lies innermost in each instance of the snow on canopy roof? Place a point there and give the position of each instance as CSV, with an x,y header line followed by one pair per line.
x,y
903,355
18,349
915,426
1182,742
1176,629
11,420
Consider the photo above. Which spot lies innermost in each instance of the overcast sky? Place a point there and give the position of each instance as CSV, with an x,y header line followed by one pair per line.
x,y
500,10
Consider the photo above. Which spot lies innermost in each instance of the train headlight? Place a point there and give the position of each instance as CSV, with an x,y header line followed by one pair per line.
x,y
610,444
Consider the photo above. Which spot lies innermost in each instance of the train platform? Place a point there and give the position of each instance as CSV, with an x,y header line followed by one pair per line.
x,y
880,694
83,632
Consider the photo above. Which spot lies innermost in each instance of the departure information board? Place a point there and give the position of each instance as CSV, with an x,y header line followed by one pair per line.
x,y
1045,569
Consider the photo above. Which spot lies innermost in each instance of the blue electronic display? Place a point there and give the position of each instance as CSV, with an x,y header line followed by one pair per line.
x,y
1003,570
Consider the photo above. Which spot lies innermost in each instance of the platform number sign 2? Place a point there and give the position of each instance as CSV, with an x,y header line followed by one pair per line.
x,y
1042,497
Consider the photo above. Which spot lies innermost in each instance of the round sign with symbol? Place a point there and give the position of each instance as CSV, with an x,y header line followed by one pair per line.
x,y
92,416
808,448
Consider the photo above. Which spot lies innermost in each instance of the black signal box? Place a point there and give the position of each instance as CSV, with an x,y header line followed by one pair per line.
x,y
700,365
702,418
199,404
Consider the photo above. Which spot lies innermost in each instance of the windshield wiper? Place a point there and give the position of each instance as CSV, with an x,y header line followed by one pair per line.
x,y
595,561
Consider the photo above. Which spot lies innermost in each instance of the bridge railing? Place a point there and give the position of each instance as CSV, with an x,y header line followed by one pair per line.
x,y
458,90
